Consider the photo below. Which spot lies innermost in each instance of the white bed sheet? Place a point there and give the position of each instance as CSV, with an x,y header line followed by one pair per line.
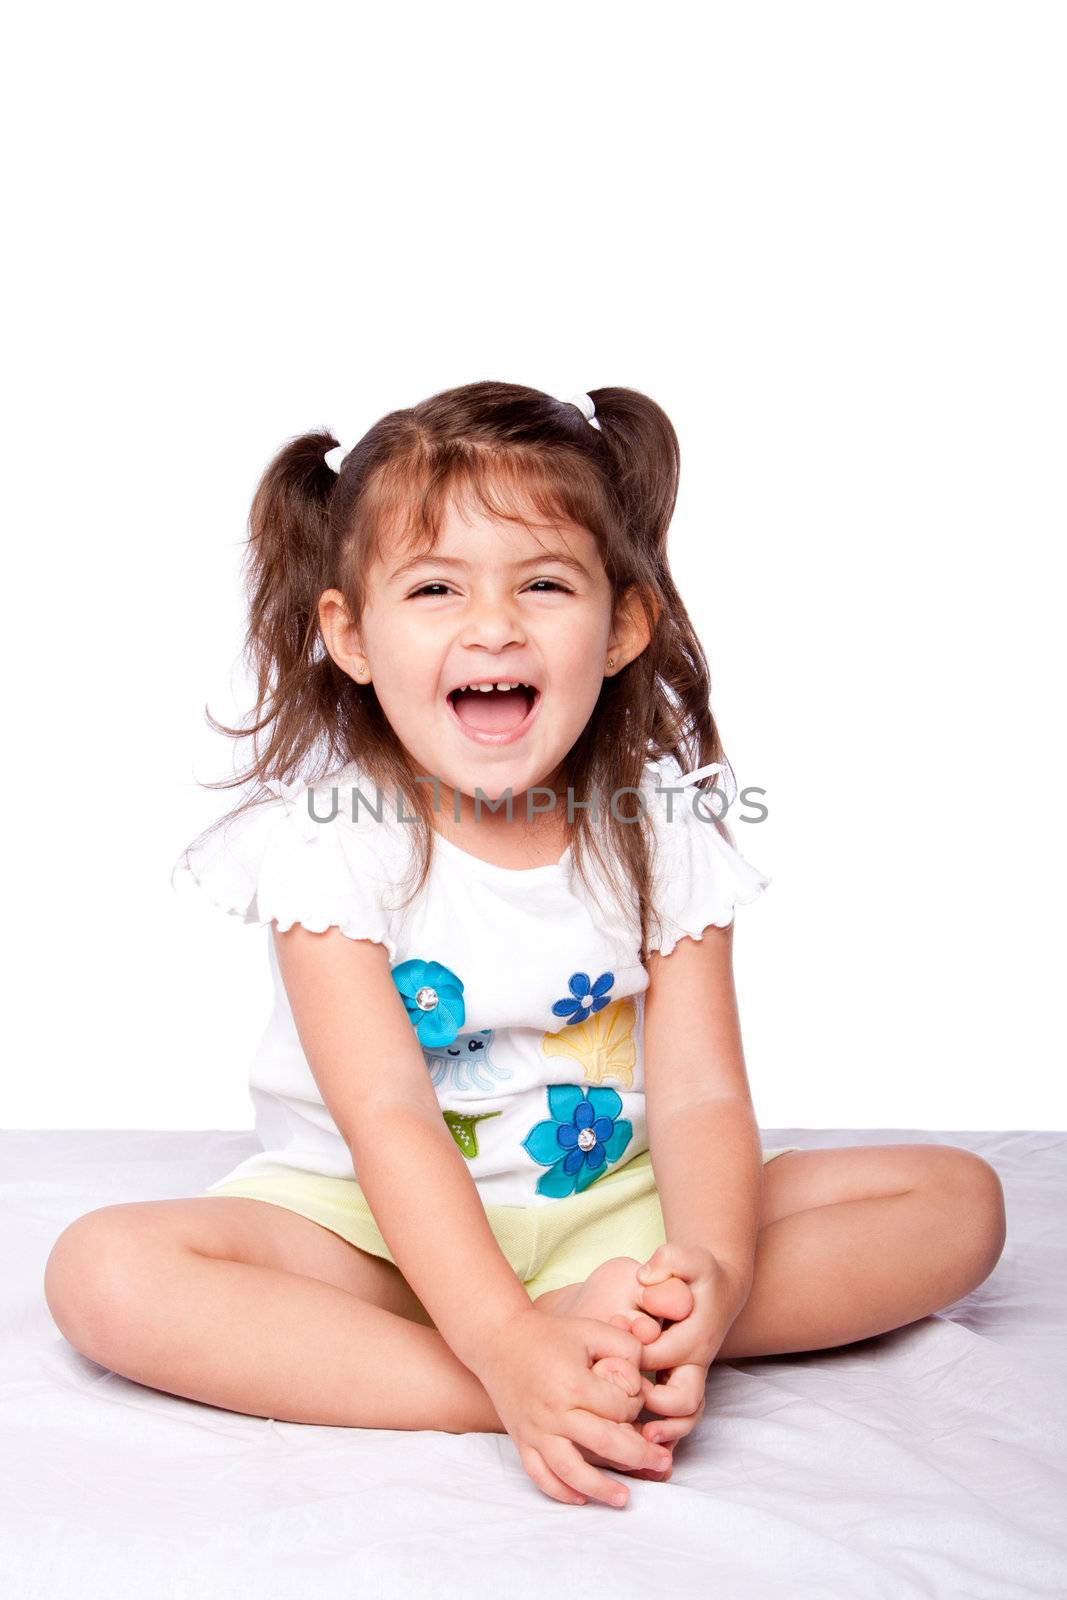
x,y
925,1462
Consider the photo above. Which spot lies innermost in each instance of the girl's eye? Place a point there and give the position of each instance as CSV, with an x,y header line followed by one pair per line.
x,y
426,587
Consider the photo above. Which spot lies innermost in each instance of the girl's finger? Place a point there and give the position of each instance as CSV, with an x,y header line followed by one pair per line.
x,y
670,1261
622,1373
647,1276
605,1339
689,1383
668,1430
615,1390
672,1348
567,1461
541,1473
659,1476
678,1397
621,1446
665,1401
652,1477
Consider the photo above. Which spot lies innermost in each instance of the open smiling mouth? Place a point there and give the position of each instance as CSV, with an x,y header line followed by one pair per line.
x,y
494,716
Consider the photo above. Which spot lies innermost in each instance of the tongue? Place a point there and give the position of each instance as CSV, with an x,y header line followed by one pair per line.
x,y
492,711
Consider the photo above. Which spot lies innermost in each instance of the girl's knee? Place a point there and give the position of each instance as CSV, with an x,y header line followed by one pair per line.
x,y
990,1213
87,1275
978,1204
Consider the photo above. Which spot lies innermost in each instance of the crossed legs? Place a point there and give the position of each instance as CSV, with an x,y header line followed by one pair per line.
x,y
239,1304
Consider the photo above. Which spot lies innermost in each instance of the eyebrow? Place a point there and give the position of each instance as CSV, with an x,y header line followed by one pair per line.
x,y
562,557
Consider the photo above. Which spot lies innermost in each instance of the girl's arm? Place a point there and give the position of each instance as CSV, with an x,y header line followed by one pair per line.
x,y
372,1076
703,1137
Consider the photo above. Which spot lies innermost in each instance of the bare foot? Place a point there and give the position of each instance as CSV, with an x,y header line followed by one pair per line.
x,y
613,1293
615,1289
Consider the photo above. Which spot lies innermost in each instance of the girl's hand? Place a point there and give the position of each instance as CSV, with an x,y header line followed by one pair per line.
x,y
687,1348
537,1372
681,1402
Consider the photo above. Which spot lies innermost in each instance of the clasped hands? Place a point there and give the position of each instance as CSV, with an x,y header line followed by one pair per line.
x,y
684,1350
555,1405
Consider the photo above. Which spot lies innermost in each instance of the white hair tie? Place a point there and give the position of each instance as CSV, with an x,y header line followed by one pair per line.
x,y
586,407
334,457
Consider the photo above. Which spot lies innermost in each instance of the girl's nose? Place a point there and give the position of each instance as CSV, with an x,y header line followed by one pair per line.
x,y
492,623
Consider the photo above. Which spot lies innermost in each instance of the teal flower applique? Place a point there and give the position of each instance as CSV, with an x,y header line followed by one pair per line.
x,y
433,998
584,997
581,1139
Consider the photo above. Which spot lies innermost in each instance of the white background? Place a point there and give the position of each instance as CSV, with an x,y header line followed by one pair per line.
x,y
828,239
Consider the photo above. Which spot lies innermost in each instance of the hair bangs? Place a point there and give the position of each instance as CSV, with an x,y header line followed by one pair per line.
x,y
404,508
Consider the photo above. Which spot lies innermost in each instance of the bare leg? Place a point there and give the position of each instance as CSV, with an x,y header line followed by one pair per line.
x,y
272,1343
825,1276
848,1271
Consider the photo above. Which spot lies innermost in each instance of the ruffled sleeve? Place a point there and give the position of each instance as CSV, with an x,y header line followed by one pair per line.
x,y
275,863
699,875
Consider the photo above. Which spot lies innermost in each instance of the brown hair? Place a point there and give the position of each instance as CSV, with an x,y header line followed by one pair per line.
x,y
504,447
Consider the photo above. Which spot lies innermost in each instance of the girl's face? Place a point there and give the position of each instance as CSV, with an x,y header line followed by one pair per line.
x,y
493,602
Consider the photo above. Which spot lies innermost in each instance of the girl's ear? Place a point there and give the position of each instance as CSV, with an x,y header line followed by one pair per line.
x,y
630,631
340,633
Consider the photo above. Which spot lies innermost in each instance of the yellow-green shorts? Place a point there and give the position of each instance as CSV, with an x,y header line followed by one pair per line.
x,y
547,1246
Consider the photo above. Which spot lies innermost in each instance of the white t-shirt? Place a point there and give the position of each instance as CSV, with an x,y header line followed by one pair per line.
x,y
525,992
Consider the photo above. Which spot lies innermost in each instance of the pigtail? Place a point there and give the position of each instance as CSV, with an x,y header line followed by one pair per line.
x,y
646,461
646,467
659,706
286,568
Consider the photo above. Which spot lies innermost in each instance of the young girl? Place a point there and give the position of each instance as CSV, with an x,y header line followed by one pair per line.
x,y
511,1171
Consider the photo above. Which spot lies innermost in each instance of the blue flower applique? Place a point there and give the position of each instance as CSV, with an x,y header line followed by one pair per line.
x,y
433,998
585,997
581,1138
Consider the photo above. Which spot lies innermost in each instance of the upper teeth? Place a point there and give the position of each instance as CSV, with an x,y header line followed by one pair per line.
x,y
502,683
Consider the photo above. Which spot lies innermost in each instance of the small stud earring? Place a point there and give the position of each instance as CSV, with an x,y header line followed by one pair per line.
x,y
362,667
611,661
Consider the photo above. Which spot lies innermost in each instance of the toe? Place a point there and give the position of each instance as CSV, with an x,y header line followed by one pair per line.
x,y
619,1371
638,1323
645,1328
671,1300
